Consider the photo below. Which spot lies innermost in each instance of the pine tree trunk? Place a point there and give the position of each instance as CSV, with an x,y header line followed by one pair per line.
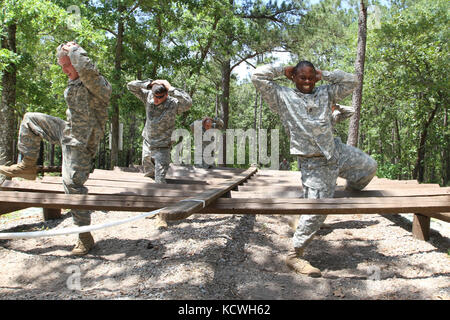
x,y
8,100
225,100
256,110
446,152
353,129
116,95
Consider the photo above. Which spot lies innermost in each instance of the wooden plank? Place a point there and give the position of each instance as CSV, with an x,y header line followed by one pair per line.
x,y
128,184
139,177
296,192
87,202
275,182
273,178
391,205
440,216
394,205
421,227
373,200
31,186
189,206
297,174
178,171
113,181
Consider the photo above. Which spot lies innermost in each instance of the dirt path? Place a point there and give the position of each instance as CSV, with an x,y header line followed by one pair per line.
x,y
224,257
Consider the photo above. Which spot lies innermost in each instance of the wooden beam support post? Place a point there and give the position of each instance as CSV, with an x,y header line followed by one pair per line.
x,y
421,227
51,214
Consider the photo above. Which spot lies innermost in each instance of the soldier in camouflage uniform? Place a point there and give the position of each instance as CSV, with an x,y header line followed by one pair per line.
x,y
206,124
162,103
307,112
87,96
339,113
284,165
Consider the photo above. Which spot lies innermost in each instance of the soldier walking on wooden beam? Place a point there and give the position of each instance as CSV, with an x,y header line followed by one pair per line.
x,y
307,112
87,96
162,104
205,124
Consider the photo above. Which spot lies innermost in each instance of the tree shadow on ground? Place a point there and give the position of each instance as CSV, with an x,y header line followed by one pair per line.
x,y
235,274
436,239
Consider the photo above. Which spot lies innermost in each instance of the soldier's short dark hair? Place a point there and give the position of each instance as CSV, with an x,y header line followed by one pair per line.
x,y
302,64
159,89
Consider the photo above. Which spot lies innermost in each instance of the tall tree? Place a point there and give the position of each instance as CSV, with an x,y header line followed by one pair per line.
x,y
353,131
25,26
8,97
407,60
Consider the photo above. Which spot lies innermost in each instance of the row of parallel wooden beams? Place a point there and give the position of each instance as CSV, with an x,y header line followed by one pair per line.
x,y
228,191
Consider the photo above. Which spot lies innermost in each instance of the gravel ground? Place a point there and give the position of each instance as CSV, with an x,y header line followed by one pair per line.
x,y
224,257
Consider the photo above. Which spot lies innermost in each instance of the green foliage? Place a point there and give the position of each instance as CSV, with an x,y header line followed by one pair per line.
x,y
187,42
406,59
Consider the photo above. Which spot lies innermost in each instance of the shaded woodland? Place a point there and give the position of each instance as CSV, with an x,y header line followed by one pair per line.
x,y
198,45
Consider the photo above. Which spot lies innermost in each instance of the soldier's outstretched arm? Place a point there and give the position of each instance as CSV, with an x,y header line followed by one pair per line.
x,y
183,98
140,89
342,112
88,73
263,80
219,123
342,84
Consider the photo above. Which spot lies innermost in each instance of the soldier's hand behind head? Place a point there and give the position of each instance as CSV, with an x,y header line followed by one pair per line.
x,y
165,83
289,72
69,45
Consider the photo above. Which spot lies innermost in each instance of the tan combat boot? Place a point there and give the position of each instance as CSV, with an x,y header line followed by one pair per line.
x,y
299,265
161,223
293,222
84,244
25,169
150,175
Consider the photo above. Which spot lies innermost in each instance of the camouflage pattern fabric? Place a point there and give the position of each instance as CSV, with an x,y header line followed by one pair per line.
x,y
87,101
342,112
285,165
319,181
310,120
160,120
156,162
307,116
159,125
217,124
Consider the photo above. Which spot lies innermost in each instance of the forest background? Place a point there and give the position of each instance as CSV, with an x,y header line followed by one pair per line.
x,y
198,45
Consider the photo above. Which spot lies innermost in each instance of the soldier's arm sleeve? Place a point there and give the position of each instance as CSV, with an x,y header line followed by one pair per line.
x,y
184,99
263,80
342,112
219,123
89,75
139,89
342,84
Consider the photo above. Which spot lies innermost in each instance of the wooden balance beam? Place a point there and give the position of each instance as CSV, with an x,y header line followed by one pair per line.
x,y
228,192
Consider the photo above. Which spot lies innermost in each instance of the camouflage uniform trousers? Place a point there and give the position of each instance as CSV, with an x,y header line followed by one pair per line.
x,y
156,161
319,181
213,158
76,164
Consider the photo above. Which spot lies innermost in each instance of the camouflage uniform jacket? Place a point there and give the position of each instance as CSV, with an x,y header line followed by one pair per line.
x,y
308,116
87,100
342,112
161,118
